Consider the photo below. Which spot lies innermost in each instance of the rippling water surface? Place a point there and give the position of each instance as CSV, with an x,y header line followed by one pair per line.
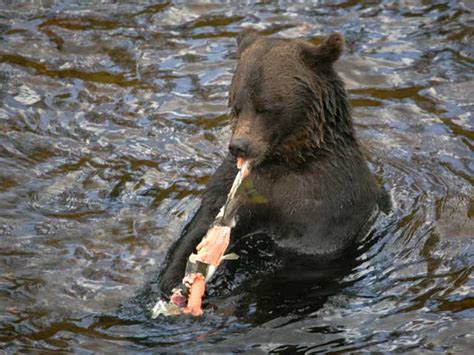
x,y
113,116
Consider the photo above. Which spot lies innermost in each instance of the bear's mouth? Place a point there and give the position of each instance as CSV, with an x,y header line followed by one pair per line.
x,y
257,158
255,154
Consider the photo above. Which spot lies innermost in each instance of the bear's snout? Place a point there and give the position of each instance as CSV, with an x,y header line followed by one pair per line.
x,y
239,147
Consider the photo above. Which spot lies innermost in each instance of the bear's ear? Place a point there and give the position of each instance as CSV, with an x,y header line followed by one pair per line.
x,y
245,38
327,52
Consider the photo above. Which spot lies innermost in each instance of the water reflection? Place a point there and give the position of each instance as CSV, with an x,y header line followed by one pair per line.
x,y
112,118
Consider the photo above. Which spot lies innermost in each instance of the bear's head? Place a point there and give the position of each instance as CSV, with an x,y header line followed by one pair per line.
x,y
287,102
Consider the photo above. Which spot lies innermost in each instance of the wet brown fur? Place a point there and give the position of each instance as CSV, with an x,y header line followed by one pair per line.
x,y
287,100
304,72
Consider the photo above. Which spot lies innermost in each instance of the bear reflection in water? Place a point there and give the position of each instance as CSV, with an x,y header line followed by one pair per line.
x,y
315,194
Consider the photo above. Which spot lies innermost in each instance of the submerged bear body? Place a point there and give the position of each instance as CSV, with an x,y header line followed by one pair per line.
x,y
291,120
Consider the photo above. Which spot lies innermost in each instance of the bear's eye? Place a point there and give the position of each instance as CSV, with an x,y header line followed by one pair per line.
x,y
268,111
262,111
235,111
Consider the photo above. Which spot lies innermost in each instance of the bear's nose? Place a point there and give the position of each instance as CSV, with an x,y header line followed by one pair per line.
x,y
239,147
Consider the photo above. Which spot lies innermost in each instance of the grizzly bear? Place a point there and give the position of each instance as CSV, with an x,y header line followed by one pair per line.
x,y
291,119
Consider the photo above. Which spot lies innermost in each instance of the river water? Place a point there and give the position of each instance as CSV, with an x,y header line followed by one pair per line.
x,y
113,116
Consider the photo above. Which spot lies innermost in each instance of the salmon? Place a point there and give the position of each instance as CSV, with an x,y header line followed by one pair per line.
x,y
197,286
213,246
210,253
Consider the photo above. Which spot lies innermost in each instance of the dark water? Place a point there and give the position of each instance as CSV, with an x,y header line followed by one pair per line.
x,y
113,116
